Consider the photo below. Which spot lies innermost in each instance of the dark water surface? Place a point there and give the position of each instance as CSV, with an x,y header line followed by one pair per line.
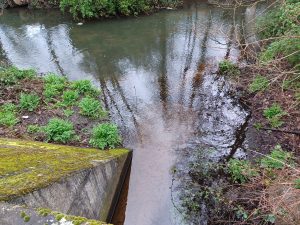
x,y
154,75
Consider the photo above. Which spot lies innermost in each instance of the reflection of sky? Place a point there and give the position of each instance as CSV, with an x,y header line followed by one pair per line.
x,y
52,50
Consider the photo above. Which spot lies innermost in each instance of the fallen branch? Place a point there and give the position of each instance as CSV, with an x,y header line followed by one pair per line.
x,y
283,131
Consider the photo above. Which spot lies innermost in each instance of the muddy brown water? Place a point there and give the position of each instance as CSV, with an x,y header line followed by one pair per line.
x,y
156,74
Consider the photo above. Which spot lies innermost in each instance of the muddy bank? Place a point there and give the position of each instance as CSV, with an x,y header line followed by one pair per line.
x,y
221,134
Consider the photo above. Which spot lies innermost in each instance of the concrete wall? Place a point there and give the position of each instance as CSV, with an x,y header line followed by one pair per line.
x,y
88,193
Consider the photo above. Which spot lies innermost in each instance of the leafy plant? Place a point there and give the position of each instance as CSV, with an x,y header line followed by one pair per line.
x,y
241,213
289,47
54,85
68,112
91,107
69,97
228,68
59,130
257,126
259,83
297,183
105,136
50,92
277,159
12,75
33,129
8,115
85,87
52,78
274,114
241,170
283,21
271,218
29,101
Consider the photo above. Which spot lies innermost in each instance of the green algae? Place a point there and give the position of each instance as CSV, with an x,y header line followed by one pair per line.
x,y
76,220
26,166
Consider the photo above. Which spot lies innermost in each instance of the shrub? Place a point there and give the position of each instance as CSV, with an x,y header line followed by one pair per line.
x,y
8,115
259,83
29,101
274,114
91,107
228,68
277,159
285,47
59,130
69,97
282,21
105,136
241,170
85,87
105,8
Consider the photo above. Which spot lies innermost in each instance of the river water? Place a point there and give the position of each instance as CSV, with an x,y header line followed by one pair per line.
x,y
156,74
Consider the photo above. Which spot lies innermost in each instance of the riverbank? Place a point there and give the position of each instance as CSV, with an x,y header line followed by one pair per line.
x,y
265,186
52,109
95,10
260,186
49,108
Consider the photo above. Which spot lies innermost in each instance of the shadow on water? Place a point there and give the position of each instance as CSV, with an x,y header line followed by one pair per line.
x,y
156,79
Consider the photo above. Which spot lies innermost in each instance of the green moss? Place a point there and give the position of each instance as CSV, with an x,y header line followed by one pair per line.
x,y
26,219
26,166
75,219
23,214
58,217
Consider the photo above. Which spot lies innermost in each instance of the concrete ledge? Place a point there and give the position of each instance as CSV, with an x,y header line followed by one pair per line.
x,y
75,181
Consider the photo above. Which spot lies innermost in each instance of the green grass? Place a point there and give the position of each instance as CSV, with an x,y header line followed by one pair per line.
x,y
297,183
26,165
105,136
8,115
59,130
259,83
274,115
29,102
226,67
68,112
277,159
91,107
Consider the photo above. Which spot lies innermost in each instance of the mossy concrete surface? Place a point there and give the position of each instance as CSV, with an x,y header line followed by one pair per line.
x,y
77,181
26,166
21,215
